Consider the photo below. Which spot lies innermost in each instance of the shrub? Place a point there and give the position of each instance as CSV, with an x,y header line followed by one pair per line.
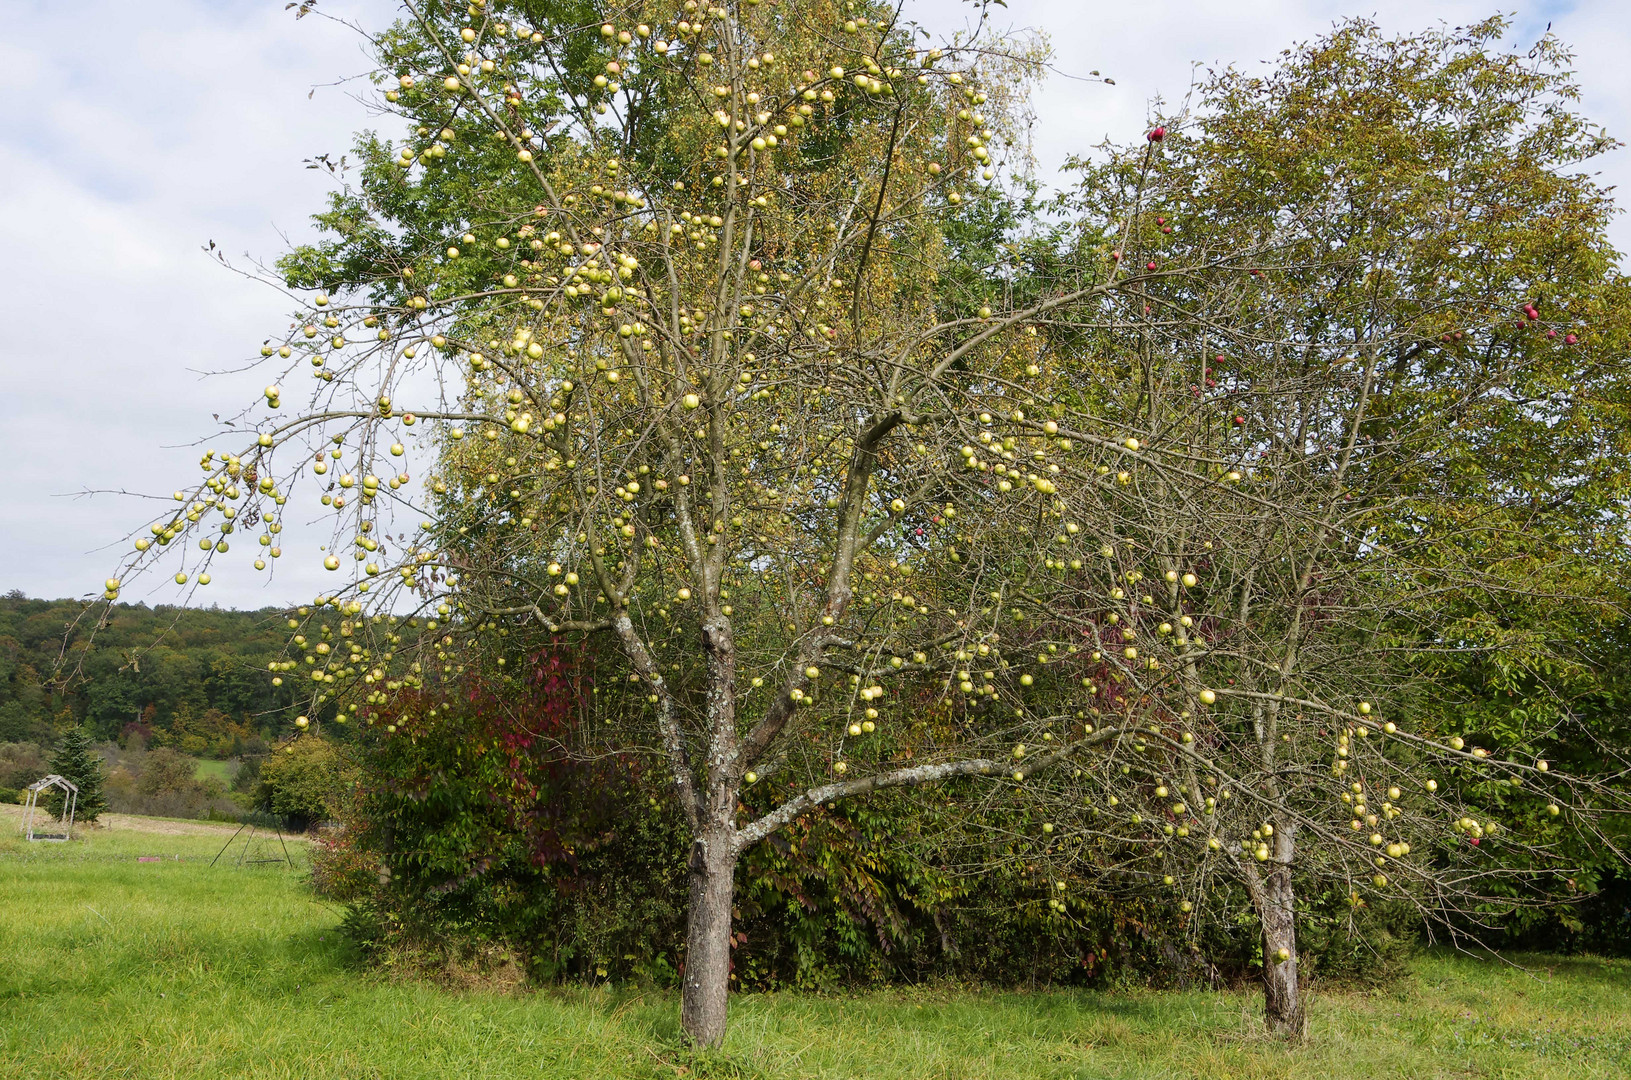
x,y
21,763
305,782
476,831
472,827
342,871
163,783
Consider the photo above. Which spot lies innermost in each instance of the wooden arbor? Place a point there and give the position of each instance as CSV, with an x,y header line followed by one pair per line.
x,y
71,793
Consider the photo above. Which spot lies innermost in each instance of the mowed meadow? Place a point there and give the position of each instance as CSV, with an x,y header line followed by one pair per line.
x,y
170,967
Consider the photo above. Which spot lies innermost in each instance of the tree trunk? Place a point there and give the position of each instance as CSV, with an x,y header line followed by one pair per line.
x,y
1282,998
708,939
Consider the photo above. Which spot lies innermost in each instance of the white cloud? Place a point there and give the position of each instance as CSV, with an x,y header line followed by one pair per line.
x,y
1600,32
135,133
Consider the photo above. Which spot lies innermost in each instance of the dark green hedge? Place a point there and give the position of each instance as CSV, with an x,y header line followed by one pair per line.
x,y
477,834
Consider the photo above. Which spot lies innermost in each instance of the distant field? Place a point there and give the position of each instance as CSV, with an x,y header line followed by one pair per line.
x,y
215,770
168,968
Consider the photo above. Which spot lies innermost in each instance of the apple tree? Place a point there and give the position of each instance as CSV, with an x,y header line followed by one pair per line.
x,y
664,289
1413,395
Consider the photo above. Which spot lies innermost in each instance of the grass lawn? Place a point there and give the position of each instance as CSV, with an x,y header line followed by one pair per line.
x,y
215,770
168,968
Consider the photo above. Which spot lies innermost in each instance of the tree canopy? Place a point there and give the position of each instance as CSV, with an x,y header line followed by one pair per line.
x,y
734,355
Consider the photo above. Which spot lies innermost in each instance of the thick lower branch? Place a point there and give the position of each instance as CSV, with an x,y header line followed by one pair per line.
x,y
809,800
908,777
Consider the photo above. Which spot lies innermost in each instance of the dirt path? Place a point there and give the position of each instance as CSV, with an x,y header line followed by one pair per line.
x,y
12,815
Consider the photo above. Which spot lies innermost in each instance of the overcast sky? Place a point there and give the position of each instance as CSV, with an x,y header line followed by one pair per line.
x,y
135,133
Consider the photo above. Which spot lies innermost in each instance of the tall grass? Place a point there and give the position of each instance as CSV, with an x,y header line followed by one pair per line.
x,y
114,967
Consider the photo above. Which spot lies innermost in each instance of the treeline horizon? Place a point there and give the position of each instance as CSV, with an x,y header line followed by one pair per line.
x,y
190,678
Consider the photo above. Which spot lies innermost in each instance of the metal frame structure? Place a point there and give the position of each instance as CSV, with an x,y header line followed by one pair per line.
x,y
252,825
32,804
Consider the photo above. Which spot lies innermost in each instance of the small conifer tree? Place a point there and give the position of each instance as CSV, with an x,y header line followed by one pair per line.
x,y
76,762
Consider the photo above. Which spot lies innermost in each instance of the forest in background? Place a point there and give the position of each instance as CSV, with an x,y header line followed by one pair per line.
x,y
177,700
189,679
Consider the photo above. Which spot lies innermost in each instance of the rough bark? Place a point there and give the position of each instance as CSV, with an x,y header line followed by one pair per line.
x,y
706,989
1273,897
704,992
1282,998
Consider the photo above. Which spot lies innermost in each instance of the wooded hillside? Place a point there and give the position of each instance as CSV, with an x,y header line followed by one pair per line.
x,y
193,679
